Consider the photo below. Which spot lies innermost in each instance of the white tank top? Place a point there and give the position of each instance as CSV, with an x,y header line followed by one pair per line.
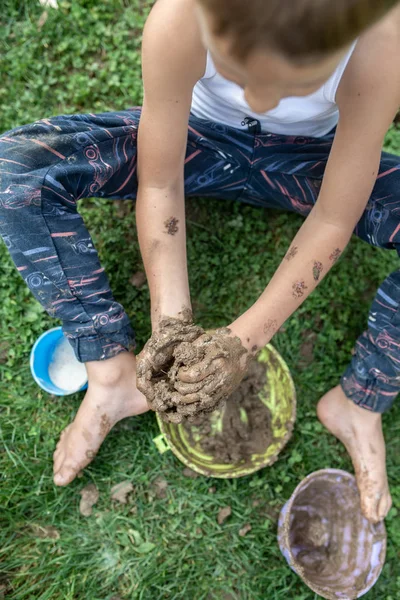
x,y
217,99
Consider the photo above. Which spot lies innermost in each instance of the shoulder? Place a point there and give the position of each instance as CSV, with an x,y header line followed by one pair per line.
x,y
368,95
172,37
375,60
173,23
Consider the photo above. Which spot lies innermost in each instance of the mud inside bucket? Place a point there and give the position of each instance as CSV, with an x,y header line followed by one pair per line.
x,y
327,541
248,432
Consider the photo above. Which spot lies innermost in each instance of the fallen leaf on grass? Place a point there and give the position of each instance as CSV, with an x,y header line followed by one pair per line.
x,y
121,491
223,514
245,530
145,548
45,533
138,279
190,473
307,348
160,486
42,19
90,495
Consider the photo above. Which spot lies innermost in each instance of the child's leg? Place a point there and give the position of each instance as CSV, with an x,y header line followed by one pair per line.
x,y
288,174
371,383
44,169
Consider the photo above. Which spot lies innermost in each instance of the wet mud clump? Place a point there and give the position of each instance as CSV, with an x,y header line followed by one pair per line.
x,y
216,362
246,425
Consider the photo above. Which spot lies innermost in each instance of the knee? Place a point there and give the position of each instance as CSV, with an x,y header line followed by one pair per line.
x,y
23,164
30,149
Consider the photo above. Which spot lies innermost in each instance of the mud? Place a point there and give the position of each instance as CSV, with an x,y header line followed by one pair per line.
x,y
184,371
121,491
246,423
105,425
89,497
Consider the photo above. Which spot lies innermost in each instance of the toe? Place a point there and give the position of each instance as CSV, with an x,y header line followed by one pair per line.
x,y
59,453
65,475
369,507
384,506
58,459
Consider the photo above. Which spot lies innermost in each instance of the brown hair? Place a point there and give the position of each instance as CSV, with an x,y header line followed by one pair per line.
x,y
299,29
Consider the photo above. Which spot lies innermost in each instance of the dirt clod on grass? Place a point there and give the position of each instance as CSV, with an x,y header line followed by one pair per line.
x,y
47,532
307,349
223,514
160,486
245,530
190,473
138,279
246,423
121,491
89,497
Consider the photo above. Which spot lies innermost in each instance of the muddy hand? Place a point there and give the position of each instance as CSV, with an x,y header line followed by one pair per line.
x,y
156,358
218,374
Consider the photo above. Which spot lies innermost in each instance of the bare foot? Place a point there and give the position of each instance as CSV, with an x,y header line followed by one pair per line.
x,y
361,433
112,396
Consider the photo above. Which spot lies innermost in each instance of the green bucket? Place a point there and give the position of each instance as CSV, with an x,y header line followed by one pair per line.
x,y
278,394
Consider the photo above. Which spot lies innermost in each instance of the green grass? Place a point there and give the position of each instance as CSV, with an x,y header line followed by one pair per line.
x,y
86,57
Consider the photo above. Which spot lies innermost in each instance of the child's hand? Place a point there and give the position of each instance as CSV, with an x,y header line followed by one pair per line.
x,y
184,371
218,373
157,357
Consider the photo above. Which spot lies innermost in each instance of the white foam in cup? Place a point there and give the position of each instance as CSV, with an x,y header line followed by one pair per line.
x,y
65,371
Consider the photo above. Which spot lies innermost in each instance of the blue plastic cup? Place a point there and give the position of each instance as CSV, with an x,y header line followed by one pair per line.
x,y
40,359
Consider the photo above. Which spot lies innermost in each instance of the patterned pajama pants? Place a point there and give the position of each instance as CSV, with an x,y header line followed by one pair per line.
x,y
47,166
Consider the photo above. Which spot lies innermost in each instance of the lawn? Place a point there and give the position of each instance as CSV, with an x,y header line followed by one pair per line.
x,y
165,543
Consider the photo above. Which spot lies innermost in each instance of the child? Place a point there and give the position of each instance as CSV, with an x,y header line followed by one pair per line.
x,y
262,84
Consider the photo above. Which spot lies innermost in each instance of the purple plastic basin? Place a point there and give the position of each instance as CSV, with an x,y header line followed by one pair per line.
x,y
327,541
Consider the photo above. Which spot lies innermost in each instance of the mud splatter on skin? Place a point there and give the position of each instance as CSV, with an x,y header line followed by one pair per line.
x,y
334,257
90,454
271,326
171,225
292,253
317,270
298,289
87,436
105,425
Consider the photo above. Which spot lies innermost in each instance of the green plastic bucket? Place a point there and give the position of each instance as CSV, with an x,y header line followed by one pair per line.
x,y
278,394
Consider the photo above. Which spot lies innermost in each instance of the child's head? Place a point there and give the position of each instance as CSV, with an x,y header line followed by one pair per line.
x,y
289,46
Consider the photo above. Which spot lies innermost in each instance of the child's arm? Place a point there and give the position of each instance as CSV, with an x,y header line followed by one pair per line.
x,y
368,98
173,61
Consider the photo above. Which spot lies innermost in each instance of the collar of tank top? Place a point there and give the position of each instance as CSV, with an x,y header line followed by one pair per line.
x,y
219,100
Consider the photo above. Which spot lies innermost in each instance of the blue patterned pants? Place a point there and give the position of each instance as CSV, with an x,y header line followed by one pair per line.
x,y
47,166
